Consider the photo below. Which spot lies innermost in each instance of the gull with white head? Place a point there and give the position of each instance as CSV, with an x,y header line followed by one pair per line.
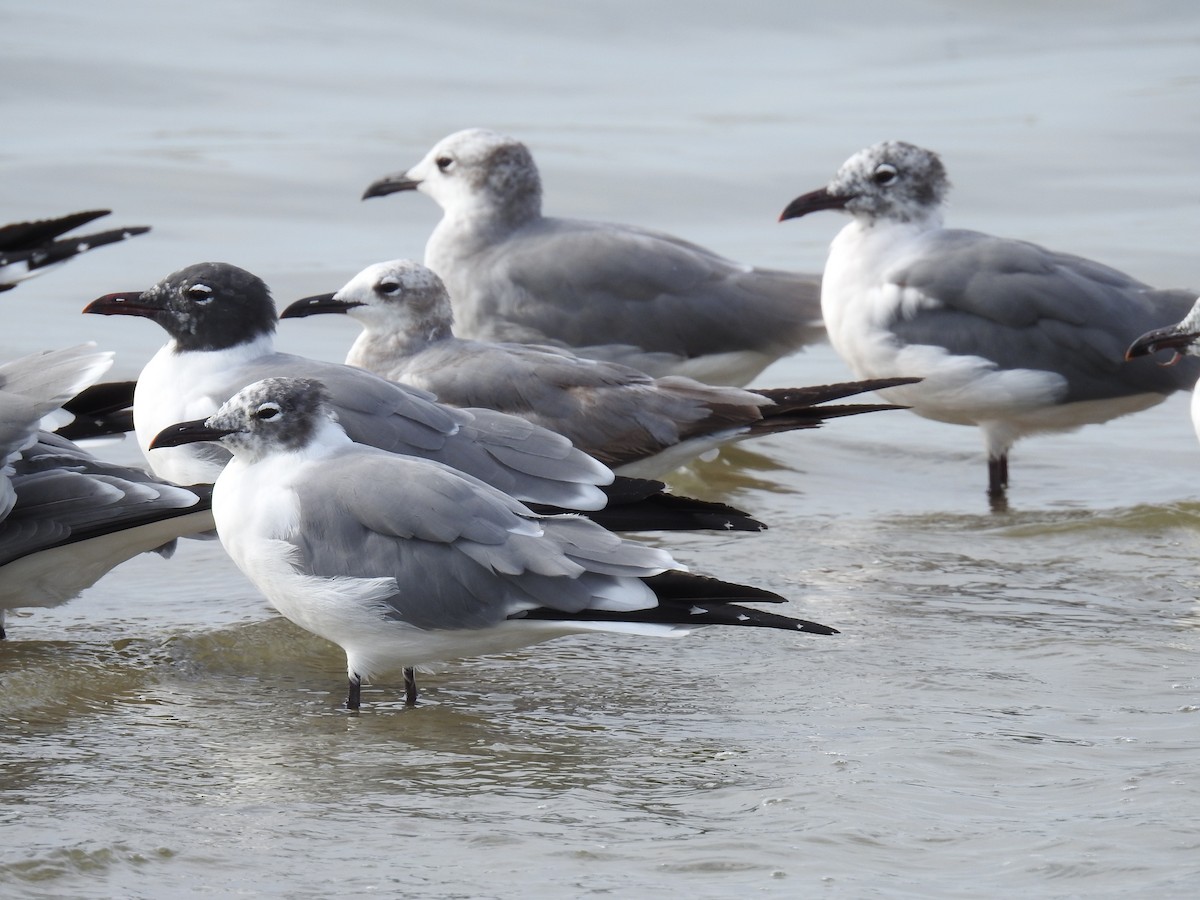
x,y
639,425
614,292
1005,335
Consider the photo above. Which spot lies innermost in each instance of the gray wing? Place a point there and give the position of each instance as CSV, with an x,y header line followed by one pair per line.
x,y
507,452
615,413
585,283
463,554
65,495
31,388
1023,306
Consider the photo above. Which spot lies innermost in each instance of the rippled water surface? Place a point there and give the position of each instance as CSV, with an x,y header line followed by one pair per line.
x,y
1013,702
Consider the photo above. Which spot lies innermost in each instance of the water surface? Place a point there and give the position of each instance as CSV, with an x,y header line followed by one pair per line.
x,y
1012,704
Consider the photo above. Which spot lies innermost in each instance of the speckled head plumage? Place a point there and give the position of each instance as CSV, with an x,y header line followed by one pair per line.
x,y
280,413
893,180
395,299
405,294
272,415
475,169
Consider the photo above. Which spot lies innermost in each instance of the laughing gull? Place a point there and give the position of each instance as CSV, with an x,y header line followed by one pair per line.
x,y
31,248
637,424
221,325
1006,335
1182,339
67,518
402,562
613,292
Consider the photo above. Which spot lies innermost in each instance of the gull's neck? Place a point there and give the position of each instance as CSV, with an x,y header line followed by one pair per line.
x,y
379,351
260,345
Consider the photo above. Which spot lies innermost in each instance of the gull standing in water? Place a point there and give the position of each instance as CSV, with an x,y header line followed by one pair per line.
x,y
639,425
1004,334
402,562
613,292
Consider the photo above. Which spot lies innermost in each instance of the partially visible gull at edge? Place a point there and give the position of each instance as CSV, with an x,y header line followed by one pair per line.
x,y
36,247
615,292
66,517
1005,335
1182,339
403,562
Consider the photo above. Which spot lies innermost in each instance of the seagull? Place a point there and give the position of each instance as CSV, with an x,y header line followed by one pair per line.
x,y
31,248
1004,334
221,320
613,292
638,425
402,561
66,517
1182,339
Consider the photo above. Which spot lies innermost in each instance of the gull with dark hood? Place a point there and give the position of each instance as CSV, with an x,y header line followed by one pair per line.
x,y
220,321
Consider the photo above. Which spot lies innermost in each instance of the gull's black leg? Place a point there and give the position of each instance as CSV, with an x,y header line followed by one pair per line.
x,y
410,687
998,482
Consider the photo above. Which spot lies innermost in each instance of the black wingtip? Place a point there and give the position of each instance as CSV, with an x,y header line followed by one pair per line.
x,y
642,504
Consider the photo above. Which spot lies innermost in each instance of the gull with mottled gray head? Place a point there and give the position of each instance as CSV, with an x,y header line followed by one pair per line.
x,y
639,425
612,292
403,562
1004,334
220,321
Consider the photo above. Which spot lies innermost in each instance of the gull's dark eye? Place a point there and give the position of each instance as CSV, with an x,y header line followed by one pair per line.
x,y
267,411
444,163
388,286
884,173
201,293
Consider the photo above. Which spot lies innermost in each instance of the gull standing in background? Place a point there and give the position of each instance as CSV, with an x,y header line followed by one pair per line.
x,y
613,292
220,321
1004,334
639,425
402,562
67,518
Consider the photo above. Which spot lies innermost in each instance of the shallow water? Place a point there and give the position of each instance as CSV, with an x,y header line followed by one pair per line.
x,y
1012,704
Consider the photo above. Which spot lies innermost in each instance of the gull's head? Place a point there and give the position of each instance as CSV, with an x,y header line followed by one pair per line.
x,y
275,415
475,169
1182,339
891,181
207,306
399,297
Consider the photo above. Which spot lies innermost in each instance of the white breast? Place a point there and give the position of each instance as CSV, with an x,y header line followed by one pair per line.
x,y
860,300
179,387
